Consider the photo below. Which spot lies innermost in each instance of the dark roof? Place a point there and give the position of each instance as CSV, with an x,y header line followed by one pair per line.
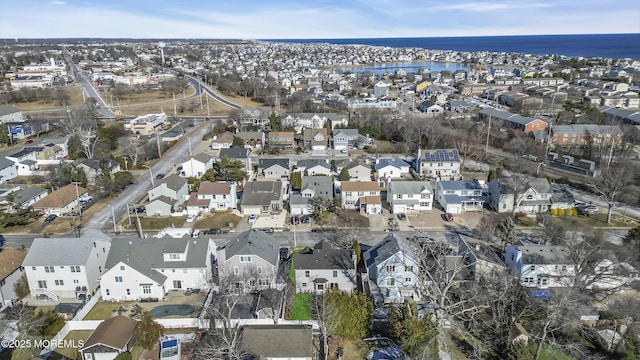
x,y
97,164
324,257
385,249
6,110
261,192
278,341
441,155
308,163
174,182
253,243
267,163
5,163
27,194
560,193
235,153
115,332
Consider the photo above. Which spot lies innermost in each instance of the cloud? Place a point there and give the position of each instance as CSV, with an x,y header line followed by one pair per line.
x,y
490,6
57,2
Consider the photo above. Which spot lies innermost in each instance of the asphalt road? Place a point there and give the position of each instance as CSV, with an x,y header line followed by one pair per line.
x,y
103,219
87,87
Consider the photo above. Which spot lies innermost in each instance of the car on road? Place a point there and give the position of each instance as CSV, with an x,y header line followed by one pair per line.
x,y
268,230
213,231
28,141
448,217
141,209
1,240
589,209
402,216
50,218
252,219
295,220
159,176
191,218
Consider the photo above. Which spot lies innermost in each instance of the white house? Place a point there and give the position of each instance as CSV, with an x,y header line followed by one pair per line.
x,y
438,163
249,261
458,196
240,154
274,169
323,268
392,268
28,196
409,196
149,268
11,271
310,167
213,196
359,170
353,193
222,141
172,187
391,168
196,166
66,267
532,198
7,170
540,266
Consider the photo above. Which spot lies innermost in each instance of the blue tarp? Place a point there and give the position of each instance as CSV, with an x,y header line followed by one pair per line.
x,y
169,343
540,293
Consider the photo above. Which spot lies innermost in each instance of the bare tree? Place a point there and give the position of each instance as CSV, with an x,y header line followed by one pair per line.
x,y
550,231
328,318
610,184
28,325
129,146
516,184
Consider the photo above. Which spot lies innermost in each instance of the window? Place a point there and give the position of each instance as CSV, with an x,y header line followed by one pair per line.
x,y
33,268
89,356
59,282
121,267
128,292
391,282
259,269
544,281
106,291
306,273
408,268
320,286
174,256
304,285
391,268
76,281
146,289
531,268
263,282
399,196
76,269
236,270
407,280
564,267
118,278
245,258
335,273
49,269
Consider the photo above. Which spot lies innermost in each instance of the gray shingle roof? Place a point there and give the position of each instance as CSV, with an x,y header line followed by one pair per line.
x,y
308,163
27,194
410,187
5,163
321,185
460,185
174,182
253,243
6,110
144,255
385,249
261,192
324,257
64,251
267,163
395,162
235,153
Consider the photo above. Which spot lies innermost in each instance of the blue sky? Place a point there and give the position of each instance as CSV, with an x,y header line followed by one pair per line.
x,y
278,19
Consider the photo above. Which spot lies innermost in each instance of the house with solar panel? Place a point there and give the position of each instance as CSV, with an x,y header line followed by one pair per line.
x,y
441,164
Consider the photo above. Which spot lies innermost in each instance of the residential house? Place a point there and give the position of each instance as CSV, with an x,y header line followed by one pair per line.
x,y
95,168
344,139
353,194
29,196
254,140
222,141
317,186
392,270
59,144
299,205
196,166
148,124
315,139
458,196
213,196
480,259
11,272
516,121
171,192
311,167
262,197
391,168
359,170
249,262
438,163
150,268
430,108
239,154
10,114
532,196
25,162
62,201
540,266
281,140
274,169
112,337
304,121
586,134
7,170
66,267
323,268
409,196
279,342
44,154
381,89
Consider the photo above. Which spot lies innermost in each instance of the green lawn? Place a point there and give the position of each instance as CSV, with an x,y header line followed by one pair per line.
x,y
102,311
219,220
549,353
301,309
292,272
159,223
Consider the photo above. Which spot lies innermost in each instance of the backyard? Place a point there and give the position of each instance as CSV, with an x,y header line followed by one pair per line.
x,y
218,220
74,337
301,309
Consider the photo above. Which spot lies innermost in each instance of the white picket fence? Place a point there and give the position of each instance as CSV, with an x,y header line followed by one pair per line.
x,y
87,307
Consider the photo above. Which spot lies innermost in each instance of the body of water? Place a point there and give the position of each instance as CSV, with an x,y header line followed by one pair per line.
x,y
409,67
616,46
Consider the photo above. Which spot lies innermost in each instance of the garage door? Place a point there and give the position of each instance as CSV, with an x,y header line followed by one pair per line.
x,y
454,209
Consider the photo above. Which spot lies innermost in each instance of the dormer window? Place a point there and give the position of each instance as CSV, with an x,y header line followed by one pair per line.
x,y
174,256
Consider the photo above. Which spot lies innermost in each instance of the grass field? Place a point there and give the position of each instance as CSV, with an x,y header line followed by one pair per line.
x,y
159,223
219,220
73,337
75,99
102,311
549,353
301,309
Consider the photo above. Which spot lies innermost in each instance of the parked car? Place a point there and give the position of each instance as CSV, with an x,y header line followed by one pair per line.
x,y
305,219
268,230
195,233
590,209
213,231
86,198
1,240
284,253
191,218
28,141
159,176
141,210
402,216
50,218
252,219
295,220
448,217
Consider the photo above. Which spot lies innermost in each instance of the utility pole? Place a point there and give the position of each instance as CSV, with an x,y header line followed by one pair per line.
x,y
208,105
175,111
126,167
158,142
78,197
486,146
200,85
